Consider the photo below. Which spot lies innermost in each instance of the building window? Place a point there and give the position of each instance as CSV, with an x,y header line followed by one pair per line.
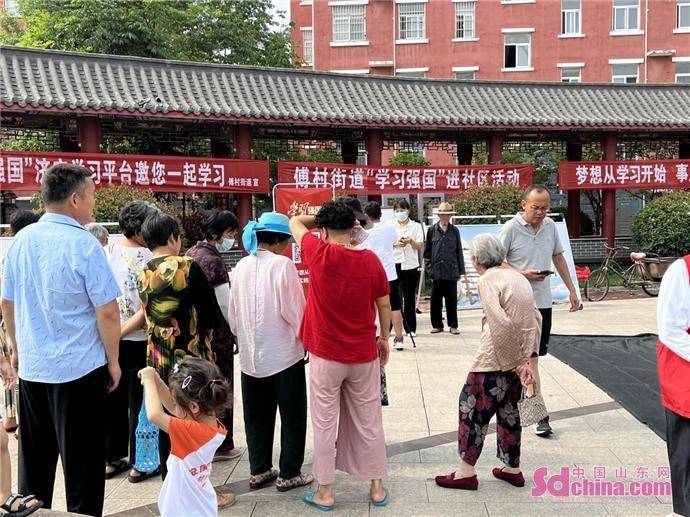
x,y
464,19
413,73
464,76
571,17
683,14
624,73
308,46
11,7
683,73
411,21
571,75
517,50
349,23
626,15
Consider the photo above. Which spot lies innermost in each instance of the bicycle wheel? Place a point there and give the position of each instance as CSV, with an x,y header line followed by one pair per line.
x,y
651,288
598,285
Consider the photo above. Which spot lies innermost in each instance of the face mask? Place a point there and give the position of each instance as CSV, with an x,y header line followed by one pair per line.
x,y
402,216
225,245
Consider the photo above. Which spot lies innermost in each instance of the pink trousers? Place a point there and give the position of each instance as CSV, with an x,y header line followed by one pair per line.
x,y
345,404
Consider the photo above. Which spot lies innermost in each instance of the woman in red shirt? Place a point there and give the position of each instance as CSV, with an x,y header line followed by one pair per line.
x,y
346,288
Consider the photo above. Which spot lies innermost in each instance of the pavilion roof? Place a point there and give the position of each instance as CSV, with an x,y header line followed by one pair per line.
x,y
38,80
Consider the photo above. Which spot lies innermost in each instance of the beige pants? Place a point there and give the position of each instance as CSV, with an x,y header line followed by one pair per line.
x,y
345,404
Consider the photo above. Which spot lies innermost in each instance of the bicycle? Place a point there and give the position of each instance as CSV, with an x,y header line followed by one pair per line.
x,y
637,275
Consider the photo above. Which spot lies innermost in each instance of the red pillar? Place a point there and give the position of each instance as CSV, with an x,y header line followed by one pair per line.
x,y
608,197
464,153
495,145
374,145
243,150
89,134
573,153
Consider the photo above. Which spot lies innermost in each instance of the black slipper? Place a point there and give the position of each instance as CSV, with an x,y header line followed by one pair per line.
x,y
143,476
22,509
119,468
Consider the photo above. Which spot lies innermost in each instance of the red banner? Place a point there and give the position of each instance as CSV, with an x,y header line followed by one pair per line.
x,y
360,179
634,174
20,171
300,201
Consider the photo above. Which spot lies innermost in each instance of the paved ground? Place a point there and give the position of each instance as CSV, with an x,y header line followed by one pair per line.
x,y
590,430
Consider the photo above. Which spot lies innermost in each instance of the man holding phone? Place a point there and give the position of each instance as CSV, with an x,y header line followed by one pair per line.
x,y
531,240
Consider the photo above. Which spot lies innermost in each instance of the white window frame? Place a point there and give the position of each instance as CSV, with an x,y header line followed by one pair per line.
x,y
525,68
465,70
308,62
466,35
346,10
680,29
565,12
400,72
403,38
682,60
627,31
517,2
569,80
633,61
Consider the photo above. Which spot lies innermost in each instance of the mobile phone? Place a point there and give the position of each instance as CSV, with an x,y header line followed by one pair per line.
x,y
359,236
546,272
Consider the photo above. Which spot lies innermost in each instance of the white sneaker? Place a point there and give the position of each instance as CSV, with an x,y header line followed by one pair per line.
x,y
412,334
398,343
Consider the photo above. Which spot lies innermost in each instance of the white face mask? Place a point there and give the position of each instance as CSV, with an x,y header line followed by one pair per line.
x,y
225,245
402,216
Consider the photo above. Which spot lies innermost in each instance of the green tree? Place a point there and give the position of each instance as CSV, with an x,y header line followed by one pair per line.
x,y
221,31
408,159
663,226
488,200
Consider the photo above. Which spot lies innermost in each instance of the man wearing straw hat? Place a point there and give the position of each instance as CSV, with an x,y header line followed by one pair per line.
x,y
444,264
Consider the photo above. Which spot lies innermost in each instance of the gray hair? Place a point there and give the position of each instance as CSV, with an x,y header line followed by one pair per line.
x,y
487,250
99,232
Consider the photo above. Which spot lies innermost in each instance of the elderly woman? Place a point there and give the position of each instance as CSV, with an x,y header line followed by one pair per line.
x,y
266,309
219,236
510,334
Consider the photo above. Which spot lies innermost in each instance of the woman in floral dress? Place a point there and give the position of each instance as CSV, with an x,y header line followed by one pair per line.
x,y
180,306
511,328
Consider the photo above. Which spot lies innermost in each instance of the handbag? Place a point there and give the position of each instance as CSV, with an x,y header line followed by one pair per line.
x,y
147,457
532,409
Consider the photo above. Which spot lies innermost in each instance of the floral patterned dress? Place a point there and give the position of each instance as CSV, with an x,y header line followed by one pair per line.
x,y
181,312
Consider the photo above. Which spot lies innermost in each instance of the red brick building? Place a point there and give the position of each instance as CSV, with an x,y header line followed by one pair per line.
x,y
595,41
643,41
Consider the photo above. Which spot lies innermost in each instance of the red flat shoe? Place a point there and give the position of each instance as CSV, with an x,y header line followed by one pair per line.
x,y
449,481
517,480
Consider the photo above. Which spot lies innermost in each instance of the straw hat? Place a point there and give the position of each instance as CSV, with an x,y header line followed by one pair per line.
x,y
446,208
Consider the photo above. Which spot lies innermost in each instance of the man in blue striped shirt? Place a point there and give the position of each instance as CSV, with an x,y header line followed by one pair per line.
x,y
63,327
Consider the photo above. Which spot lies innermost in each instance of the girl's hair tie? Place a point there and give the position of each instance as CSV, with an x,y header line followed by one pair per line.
x,y
186,382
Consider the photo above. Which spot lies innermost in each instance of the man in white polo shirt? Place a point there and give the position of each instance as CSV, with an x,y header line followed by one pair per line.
x,y
531,240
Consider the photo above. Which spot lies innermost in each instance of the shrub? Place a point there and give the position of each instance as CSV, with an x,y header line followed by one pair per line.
x,y
408,159
663,226
488,200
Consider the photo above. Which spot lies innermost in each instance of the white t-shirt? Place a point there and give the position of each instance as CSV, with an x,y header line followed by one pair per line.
x,y
127,264
381,240
187,489
408,257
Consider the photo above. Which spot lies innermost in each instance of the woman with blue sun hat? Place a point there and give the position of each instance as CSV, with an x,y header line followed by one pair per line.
x,y
266,307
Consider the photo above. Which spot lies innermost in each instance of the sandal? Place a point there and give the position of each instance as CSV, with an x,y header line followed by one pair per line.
x,y
261,480
22,510
143,476
225,500
309,499
118,468
283,485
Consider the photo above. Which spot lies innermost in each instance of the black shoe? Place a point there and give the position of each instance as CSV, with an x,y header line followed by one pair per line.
x,y
543,428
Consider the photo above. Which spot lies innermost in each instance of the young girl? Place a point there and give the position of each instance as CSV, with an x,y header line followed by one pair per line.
x,y
196,394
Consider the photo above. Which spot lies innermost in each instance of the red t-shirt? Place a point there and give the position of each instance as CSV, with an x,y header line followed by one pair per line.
x,y
339,319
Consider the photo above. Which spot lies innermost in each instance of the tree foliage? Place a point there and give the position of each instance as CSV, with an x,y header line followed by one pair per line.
x,y
221,31
663,226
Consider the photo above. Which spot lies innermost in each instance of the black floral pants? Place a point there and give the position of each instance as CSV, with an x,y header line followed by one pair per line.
x,y
484,395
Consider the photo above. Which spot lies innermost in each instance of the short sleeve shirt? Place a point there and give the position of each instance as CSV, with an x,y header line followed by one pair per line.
x,y
408,257
381,240
344,284
57,275
530,249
